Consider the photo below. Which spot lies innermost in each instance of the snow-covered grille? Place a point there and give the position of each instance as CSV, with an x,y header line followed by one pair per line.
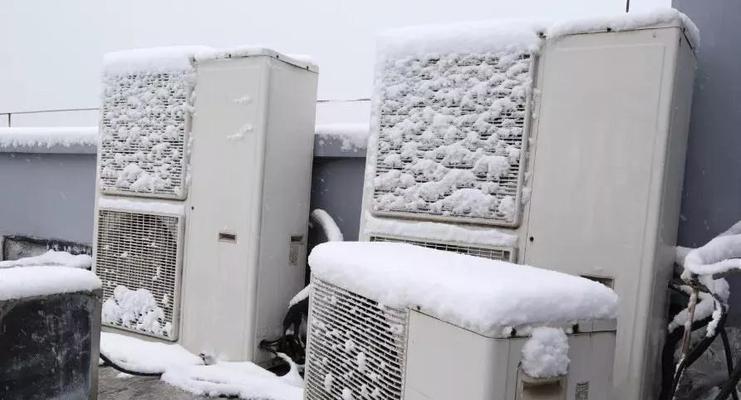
x,y
144,124
356,346
492,253
451,133
139,251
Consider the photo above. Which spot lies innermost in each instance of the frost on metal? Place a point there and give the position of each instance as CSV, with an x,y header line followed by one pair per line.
x,y
451,131
144,124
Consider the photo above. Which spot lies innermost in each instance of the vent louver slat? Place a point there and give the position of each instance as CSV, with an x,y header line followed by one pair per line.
x,y
356,346
138,261
492,253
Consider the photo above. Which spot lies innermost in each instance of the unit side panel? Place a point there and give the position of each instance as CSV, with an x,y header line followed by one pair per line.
x,y
594,208
224,207
286,195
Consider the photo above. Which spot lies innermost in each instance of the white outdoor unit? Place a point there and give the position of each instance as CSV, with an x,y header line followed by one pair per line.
x,y
557,145
204,171
362,347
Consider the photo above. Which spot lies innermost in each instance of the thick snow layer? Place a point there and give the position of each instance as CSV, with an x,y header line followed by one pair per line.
x,y
21,282
437,231
331,230
626,22
47,138
52,258
123,204
353,136
244,380
719,255
546,353
155,59
476,293
144,356
135,309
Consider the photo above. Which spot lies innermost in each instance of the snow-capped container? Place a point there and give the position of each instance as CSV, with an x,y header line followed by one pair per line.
x,y
397,321
547,143
204,174
49,333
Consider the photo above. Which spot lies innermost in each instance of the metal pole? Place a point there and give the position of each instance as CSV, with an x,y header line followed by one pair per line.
x,y
627,6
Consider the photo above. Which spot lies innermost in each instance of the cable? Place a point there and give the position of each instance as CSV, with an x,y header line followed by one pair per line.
x,y
107,361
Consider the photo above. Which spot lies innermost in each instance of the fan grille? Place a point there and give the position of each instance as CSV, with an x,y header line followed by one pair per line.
x,y
356,346
141,251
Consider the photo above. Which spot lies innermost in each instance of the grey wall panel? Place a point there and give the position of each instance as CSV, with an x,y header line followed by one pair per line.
x,y
712,186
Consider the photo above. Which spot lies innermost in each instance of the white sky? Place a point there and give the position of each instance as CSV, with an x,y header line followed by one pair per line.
x,y
50,51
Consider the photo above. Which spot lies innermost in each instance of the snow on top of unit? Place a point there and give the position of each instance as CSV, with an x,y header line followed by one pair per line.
x,y
354,136
546,353
462,38
51,258
141,205
48,137
21,282
153,59
475,293
144,356
515,34
626,22
299,60
472,235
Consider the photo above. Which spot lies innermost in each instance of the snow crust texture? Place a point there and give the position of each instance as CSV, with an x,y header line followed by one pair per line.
x,y
47,138
137,310
482,295
22,282
546,353
450,134
144,119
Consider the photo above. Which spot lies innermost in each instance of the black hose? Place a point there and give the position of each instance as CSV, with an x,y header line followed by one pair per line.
x,y
730,386
119,368
729,358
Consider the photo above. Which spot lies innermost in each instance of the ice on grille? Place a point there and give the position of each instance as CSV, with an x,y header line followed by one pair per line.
x,y
450,133
146,106
472,292
137,310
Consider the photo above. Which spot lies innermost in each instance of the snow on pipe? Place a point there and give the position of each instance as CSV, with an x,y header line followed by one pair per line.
x,y
329,226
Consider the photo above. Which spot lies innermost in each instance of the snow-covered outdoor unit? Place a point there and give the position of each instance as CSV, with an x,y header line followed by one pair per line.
x,y
395,321
558,145
204,170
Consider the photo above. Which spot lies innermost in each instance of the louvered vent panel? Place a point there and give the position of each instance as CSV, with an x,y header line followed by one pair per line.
x,y
356,346
137,259
145,119
451,137
492,253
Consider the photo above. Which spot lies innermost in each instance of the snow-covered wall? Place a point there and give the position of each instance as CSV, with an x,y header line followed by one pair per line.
x,y
52,54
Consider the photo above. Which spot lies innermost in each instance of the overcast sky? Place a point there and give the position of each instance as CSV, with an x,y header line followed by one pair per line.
x,y
50,51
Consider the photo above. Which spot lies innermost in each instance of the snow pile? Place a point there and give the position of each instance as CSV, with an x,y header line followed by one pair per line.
x,y
331,230
47,138
143,356
21,282
186,371
135,309
154,59
626,22
244,380
52,258
483,295
546,353
437,231
352,136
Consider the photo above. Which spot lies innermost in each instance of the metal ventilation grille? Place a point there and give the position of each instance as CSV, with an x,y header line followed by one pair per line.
x,y
451,137
492,253
141,251
144,124
356,346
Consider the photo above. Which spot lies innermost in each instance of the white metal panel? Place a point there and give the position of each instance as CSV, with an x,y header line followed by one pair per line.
x,y
225,198
603,184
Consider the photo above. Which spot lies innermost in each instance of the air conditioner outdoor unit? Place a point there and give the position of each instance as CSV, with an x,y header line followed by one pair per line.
x,y
558,145
394,321
204,170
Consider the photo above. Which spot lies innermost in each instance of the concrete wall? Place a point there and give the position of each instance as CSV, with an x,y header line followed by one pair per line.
x,y
712,186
